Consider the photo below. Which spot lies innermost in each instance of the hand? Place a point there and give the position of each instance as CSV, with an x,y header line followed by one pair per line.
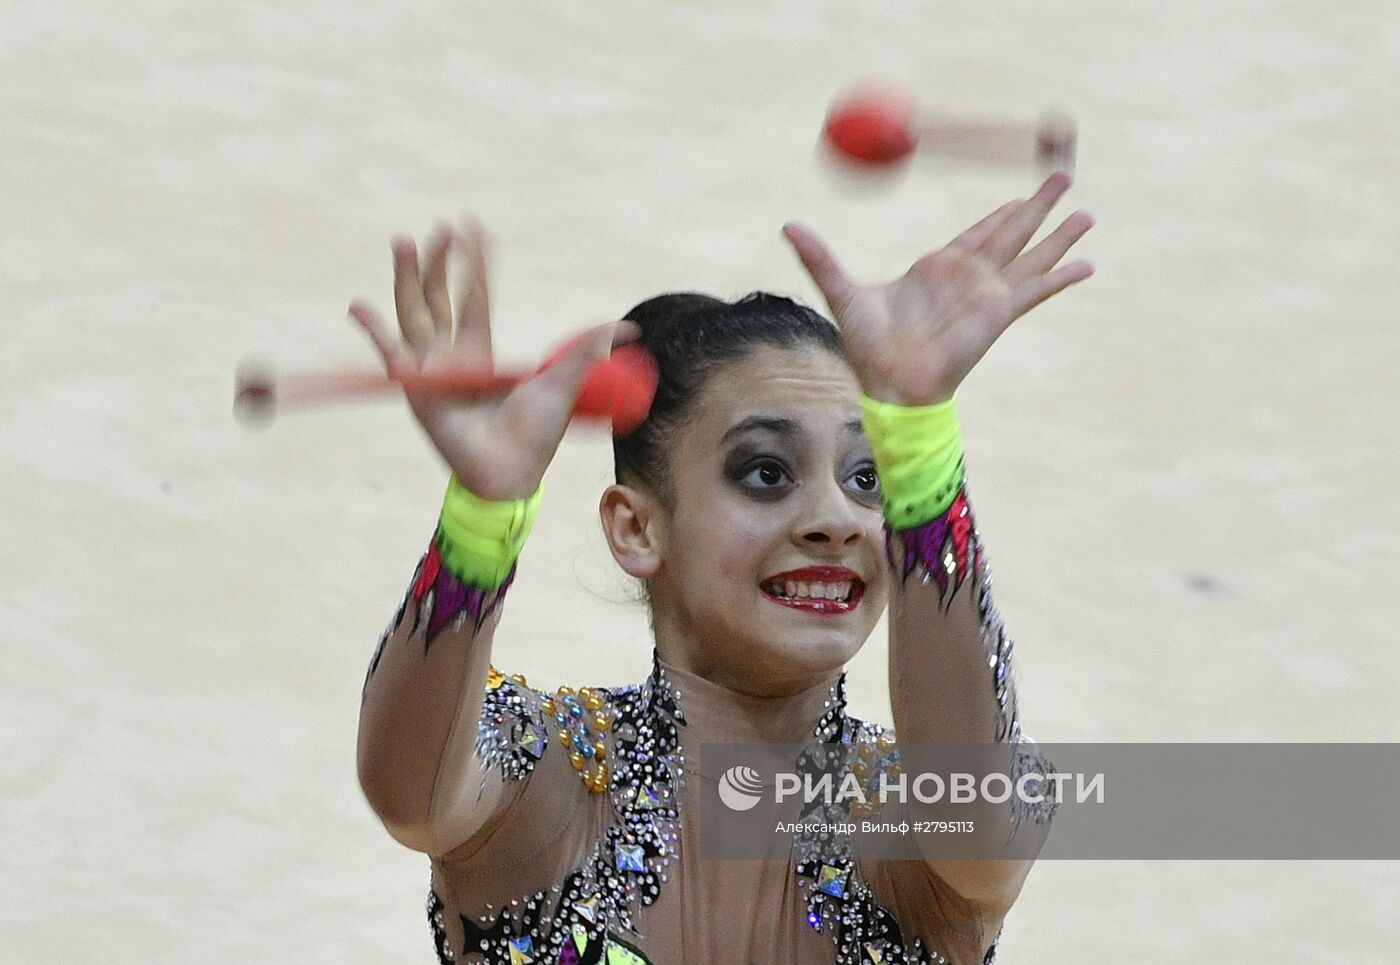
x,y
500,448
913,341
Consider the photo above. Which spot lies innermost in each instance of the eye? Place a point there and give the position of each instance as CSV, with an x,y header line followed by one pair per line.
x,y
866,480
765,475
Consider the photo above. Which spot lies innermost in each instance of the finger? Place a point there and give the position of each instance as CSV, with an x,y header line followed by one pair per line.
x,y
1006,242
522,413
567,372
835,287
625,331
435,282
473,339
1048,253
1044,286
377,329
414,320
973,237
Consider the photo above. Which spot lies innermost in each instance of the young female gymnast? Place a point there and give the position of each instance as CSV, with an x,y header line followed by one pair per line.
x,y
791,478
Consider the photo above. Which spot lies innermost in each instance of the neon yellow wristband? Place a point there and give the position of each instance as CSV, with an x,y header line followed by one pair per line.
x,y
919,457
480,539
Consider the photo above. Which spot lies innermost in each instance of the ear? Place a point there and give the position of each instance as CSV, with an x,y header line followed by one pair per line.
x,y
632,525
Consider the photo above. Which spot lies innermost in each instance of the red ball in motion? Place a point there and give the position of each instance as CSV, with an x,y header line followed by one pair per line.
x,y
873,127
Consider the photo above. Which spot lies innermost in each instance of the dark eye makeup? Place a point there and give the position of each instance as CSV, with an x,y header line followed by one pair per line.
x,y
865,483
768,476
756,470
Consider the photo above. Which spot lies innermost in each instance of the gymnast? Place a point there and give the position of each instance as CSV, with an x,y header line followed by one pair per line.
x,y
792,478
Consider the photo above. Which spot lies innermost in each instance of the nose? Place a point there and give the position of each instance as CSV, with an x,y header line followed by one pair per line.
x,y
829,517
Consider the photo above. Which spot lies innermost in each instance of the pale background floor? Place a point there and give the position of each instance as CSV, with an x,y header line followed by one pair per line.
x,y
1184,469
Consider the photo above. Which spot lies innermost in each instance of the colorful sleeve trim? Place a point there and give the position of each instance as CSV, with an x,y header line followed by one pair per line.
x,y
442,599
919,456
930,533
947,552
470,562
435,600
478,539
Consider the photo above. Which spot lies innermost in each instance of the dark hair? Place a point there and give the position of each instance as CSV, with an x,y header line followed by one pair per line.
x,y
691,336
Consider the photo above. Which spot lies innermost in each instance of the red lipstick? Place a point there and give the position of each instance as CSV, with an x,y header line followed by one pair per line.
x,y
815,574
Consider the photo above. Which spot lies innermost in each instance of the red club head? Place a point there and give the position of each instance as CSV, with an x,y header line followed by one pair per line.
x,y
620,387
873,126
629,381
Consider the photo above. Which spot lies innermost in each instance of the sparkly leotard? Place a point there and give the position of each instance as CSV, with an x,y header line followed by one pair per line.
x,y
624,897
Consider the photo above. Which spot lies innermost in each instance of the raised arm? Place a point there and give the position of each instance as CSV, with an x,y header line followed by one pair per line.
x,y
427,681
911,343
421,765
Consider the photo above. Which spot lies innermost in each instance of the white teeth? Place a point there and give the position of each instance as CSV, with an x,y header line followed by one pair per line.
x,y
811,590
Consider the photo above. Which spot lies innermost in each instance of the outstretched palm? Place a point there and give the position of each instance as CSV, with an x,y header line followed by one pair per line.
x,y
499,450
914,340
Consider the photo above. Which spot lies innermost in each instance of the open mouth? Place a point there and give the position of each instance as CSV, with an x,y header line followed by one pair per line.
x,y
815,596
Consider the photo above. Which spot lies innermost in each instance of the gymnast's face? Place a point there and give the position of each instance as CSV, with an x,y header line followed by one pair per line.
x,y
771,569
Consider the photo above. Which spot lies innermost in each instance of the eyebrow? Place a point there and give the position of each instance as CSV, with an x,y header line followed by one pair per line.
x,y
780,426
764,423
